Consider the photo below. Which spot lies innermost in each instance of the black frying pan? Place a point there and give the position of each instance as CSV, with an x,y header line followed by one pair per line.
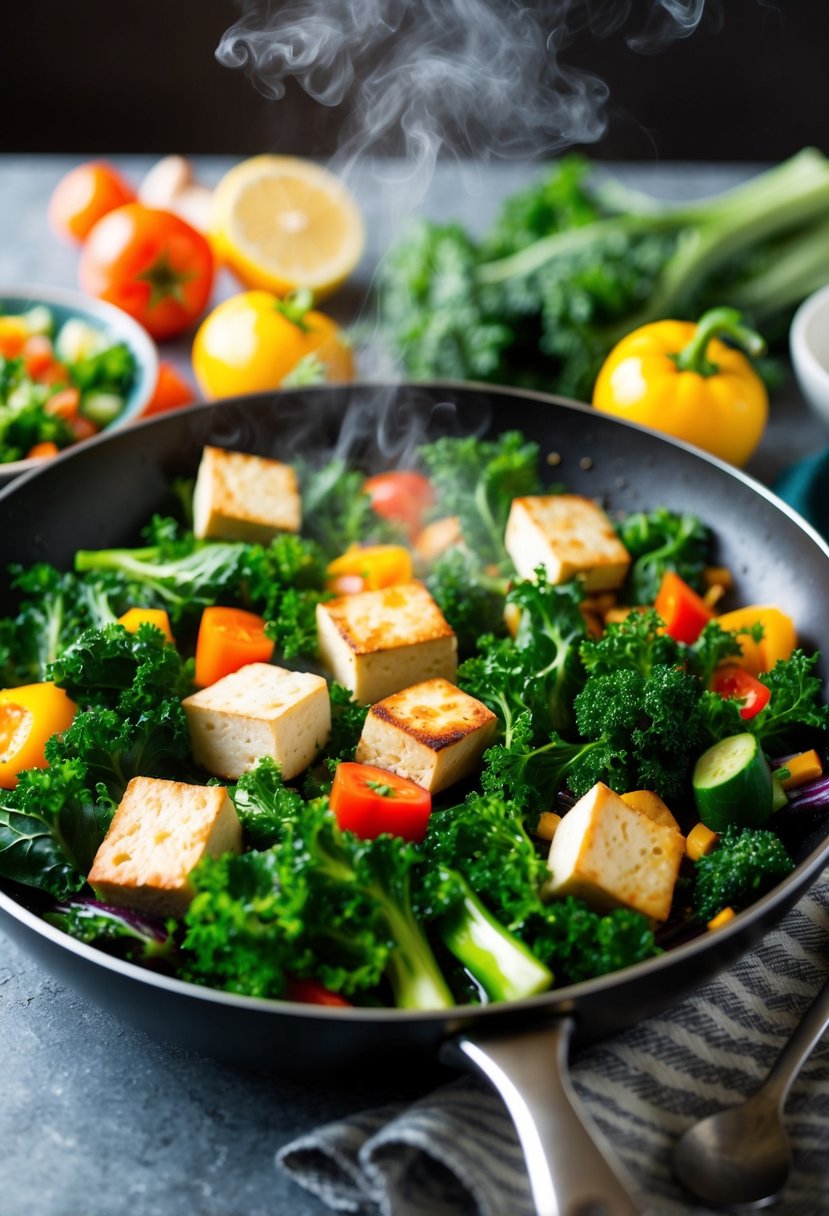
x,y
102,493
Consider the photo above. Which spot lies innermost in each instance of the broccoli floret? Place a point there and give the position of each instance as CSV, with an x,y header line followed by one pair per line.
x,y
747,863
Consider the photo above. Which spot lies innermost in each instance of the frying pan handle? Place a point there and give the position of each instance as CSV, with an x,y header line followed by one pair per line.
x,y
568,1174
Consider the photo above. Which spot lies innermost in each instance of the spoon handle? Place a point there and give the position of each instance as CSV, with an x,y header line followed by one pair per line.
x,y
799,1046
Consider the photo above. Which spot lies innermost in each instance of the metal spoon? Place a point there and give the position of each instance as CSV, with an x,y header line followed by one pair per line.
x,y
743,1154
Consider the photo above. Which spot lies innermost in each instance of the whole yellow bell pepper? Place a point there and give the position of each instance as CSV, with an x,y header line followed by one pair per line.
x,y
30,715
680,378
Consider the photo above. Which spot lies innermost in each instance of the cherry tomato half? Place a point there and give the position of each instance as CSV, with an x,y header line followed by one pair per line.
x,y
735,683
84,195
403,495
151,264
369,801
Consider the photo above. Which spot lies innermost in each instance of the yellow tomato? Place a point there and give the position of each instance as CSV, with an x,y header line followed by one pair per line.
x,y
253,341
30,715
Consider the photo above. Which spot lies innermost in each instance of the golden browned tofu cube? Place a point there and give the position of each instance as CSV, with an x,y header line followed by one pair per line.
x,y
243,497
160,832
260,710
609,854
377,642
570,537
432,733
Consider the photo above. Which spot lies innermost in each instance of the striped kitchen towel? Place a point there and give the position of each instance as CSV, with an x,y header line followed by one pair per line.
x,y
454,1152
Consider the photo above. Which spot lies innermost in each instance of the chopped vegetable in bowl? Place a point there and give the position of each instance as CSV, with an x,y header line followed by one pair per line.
x,y
507,773
57,384
70,366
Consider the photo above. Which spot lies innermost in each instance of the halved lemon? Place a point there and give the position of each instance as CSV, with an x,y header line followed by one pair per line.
x,y
282,223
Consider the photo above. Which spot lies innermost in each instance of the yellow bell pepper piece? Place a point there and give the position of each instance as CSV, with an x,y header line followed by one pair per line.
x,y
134,618
30,715
700,841
802,768
778,641
722,918
678,377
369,568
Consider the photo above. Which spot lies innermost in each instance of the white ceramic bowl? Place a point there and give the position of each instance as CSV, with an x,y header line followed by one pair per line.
x,y
809,347
116,324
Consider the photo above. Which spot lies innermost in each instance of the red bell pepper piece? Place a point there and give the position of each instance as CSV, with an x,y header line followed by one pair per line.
x,y
684,612
312,992
369,801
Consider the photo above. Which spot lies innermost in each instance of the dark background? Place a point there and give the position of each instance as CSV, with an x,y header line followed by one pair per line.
x,y
98,76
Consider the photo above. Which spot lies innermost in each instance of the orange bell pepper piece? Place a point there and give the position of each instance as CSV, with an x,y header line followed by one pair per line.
x,y
13,334
134,618
229,638
369,568
30,715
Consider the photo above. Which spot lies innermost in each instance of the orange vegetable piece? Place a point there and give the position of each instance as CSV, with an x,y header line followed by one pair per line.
x,y
42,451
134,618
171,391
369,568
13,335
802,768
684,612
38,354
64,404
229,638
778,641
30,715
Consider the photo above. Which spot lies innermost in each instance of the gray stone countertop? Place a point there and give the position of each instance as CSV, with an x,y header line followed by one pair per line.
x,y
96,1118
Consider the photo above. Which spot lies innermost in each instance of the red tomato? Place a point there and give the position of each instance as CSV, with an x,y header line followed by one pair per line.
x,y
86,194
312,992
684,612
735,683
229,638
171,391
403,495
369,801
150,263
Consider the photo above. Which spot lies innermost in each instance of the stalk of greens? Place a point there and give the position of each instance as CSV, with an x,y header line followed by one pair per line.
x,y
570,267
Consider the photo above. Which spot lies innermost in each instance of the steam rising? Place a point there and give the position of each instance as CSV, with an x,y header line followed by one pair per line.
x,y
426,77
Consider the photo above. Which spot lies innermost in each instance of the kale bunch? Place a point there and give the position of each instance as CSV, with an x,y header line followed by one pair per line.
x,y
747,863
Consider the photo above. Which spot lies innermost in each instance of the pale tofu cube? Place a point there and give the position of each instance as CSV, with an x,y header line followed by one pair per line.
x,y
570,536
611,855
259,710
243,497
432,733
377,642
160,832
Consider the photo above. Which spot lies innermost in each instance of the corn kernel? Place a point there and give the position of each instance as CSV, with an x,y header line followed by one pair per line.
x,y
700,841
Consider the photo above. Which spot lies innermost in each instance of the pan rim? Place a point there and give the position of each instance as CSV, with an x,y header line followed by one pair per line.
x,y
556,1002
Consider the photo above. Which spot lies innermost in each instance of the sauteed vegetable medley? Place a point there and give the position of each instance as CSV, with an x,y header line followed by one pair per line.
x,y
435,737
